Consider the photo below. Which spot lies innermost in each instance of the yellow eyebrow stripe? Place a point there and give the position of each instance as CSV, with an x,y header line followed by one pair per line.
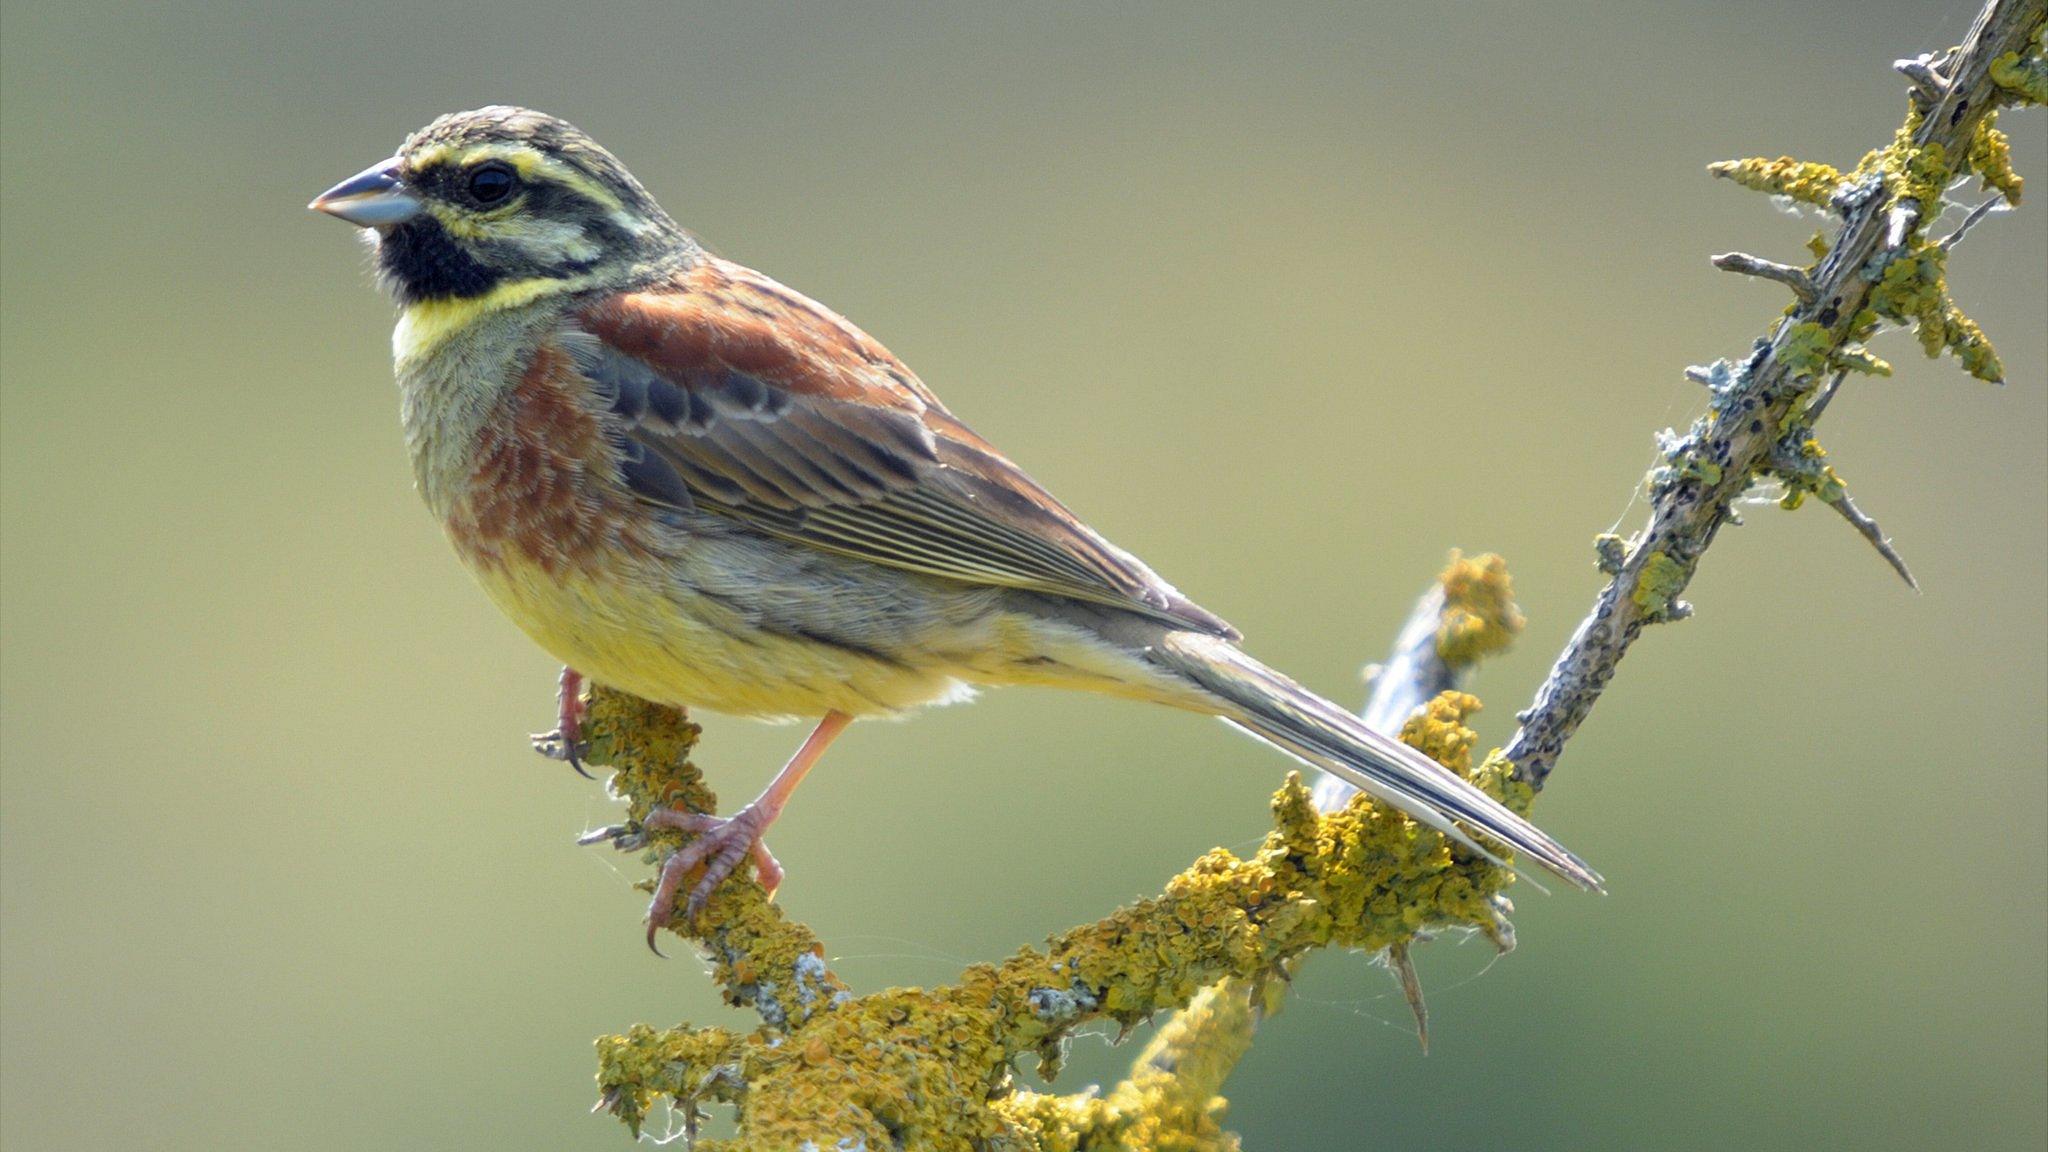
x,y
530,164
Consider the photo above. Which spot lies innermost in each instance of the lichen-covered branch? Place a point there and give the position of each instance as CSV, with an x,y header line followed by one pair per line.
x,y
1468,613
930,1068
1879,269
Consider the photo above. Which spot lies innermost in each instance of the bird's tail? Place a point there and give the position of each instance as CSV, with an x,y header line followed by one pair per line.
x,y
1277,710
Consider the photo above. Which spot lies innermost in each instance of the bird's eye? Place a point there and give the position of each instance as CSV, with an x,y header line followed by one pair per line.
x,y
491,182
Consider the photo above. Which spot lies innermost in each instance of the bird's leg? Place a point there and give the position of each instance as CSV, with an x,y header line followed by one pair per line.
x,y
723,841
565,743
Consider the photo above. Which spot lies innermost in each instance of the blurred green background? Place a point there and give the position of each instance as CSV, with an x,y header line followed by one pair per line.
x,y
1287,302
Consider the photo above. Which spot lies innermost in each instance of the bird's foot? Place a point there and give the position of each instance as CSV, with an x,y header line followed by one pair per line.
x,y
565,743
722,842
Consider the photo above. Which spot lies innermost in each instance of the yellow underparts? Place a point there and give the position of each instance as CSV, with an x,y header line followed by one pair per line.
x,y
657,639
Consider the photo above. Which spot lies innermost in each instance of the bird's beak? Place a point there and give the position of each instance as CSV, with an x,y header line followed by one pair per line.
x,y
372,198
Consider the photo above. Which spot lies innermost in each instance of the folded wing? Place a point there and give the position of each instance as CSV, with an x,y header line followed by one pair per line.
x,y
743,398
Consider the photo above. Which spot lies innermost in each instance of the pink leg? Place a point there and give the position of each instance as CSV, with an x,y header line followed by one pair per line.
x,y
565,742
722,842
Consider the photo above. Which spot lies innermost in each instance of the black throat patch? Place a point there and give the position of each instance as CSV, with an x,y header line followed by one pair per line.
x,y
419,260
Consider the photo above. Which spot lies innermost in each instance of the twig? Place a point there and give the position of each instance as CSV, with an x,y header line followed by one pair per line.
x,y
1878,540
1793,278
1928,83
1954,238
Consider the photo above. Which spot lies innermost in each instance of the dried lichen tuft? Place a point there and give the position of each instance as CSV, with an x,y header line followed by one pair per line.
x,y
1991,159
1806,182
1479,615
1913,289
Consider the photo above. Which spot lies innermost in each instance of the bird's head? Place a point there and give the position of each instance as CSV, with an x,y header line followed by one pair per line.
x,y
504,204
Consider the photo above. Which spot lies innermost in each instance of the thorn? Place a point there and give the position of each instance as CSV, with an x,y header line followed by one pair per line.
x,y
1793,278
1826,396
1899,224
1926,81
1411,988
1699,374
1995,204
1875,535
652,928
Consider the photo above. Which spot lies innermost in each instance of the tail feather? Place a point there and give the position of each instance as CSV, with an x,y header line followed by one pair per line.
x,y
1281,712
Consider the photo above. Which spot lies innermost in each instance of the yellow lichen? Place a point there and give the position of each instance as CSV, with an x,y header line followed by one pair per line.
x,y
1658,586
1438,731
1857,358
1910,288
1810,475
929,1068
2024,76
1806,349
1991,159
688,1067
1479,616
761,959
1801,180
1962,336
1168,1103
1914,290
1909,170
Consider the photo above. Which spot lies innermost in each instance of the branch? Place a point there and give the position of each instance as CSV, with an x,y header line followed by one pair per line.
x,y
919,1067
1881,267
930,1068
1466,614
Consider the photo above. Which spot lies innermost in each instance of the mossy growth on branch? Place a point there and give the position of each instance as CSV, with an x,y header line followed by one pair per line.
x,y
930,1068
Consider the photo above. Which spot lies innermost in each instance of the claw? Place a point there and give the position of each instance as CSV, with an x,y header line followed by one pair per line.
x,y
661,908
624,837
565,742
720,845
557,746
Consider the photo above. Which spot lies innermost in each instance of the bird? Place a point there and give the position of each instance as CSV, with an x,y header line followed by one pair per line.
x,y
692,484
